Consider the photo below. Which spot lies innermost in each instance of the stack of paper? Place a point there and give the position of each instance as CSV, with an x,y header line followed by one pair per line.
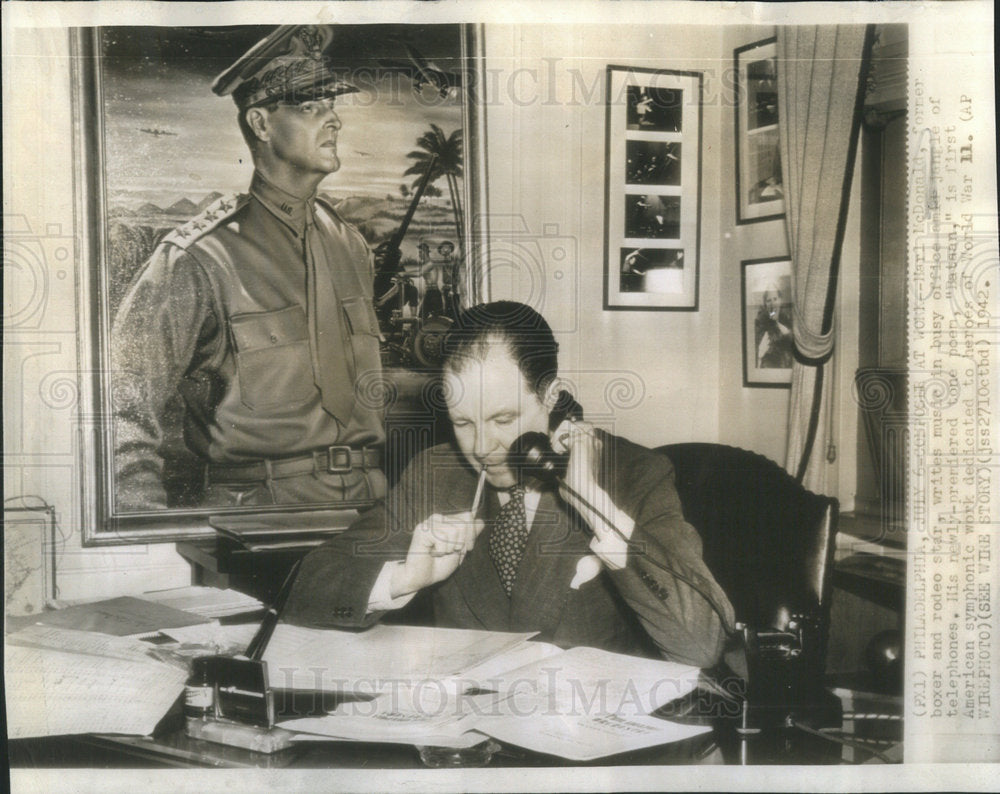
x,y
383,656
451,687
588,738
61,681
585,703
423,716
207,602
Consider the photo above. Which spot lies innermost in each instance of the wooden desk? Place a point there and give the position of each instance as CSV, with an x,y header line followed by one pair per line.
x,y
170,747
224,564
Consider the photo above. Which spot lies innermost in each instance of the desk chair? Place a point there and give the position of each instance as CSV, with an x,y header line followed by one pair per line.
x,y
769,543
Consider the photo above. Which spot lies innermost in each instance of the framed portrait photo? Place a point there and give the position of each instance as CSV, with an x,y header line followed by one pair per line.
x,y
653,203
759,191
768,345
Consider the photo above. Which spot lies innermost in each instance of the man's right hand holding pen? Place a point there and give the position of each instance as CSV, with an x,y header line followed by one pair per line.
x,y
438,547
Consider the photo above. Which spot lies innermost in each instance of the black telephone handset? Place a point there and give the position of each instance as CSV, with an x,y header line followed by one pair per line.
x,y
531,455
533,460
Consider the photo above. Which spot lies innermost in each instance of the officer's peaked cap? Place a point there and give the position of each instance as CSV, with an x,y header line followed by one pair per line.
x,y
289,64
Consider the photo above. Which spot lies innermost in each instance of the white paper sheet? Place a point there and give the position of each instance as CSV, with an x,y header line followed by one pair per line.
x,y
215,638
89,642
588,738
490,672
371,660
423,713
51,692
591,682
209,602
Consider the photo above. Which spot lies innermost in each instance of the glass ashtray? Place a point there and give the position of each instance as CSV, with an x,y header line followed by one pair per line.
x,y
437,757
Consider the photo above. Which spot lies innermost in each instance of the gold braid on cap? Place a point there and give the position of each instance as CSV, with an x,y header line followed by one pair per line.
x,y
287,65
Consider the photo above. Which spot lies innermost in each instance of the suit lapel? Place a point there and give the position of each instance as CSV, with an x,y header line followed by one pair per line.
x,y
477,578
550,559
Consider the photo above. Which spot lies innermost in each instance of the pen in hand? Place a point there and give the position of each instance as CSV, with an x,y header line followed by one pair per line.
x,y
472,510
479,492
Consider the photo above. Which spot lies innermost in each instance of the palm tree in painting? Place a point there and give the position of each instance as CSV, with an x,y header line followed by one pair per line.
x,y
448,151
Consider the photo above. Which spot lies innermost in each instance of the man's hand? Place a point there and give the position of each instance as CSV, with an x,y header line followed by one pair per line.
x,y
585,451
438,547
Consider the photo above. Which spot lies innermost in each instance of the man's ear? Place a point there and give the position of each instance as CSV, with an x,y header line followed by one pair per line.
x,y
257,120
551,395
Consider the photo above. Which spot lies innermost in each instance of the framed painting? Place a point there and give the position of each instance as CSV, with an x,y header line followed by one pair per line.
x,y
653,202
759,190
158,150
768,344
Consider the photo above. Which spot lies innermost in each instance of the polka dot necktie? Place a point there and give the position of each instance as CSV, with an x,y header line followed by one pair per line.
x,y
509,537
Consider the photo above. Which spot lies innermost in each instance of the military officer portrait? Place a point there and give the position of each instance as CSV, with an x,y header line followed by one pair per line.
x,y
258,313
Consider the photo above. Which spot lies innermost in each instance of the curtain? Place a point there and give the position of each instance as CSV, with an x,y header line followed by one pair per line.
x,y
820,92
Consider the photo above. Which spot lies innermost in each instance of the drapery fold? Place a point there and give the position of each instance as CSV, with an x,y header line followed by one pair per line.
x,y
820,89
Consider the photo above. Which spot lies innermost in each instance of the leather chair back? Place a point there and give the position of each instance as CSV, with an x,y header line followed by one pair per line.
x,y
767,540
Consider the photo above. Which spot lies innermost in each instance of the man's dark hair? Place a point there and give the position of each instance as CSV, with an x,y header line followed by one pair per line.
x,y
524,331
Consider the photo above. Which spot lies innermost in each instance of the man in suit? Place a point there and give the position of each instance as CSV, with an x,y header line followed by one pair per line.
x,y
529,559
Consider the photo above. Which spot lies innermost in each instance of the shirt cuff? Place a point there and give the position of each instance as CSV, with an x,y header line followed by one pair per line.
x,y
381,599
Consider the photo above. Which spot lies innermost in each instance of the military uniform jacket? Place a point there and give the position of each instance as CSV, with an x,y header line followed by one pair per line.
x,y
617,610
219,314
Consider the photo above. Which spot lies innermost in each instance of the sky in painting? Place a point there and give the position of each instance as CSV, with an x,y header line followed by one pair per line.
x,y
160,79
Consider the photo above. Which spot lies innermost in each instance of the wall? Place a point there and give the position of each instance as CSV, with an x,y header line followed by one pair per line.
x,y
657,371
755,418
42,266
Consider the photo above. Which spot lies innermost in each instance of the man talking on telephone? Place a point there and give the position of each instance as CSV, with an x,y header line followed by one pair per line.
x,y
528,558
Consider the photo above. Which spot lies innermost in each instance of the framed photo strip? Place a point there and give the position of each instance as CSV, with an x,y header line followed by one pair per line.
x,y
653,203
760,194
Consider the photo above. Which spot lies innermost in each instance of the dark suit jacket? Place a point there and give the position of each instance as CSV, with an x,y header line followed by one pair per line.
x,y
333,586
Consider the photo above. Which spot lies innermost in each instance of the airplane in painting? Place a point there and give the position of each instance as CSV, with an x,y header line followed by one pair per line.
x,y
424,73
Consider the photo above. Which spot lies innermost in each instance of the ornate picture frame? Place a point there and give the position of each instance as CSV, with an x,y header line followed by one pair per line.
x,y
154,146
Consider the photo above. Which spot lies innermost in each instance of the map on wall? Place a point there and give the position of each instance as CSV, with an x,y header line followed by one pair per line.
x,y
27,539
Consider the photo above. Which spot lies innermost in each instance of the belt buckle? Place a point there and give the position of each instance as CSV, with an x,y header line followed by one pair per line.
x,y
338,460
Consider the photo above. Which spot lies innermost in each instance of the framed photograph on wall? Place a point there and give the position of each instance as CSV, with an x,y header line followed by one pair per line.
x,y
760,194
653,205
768,346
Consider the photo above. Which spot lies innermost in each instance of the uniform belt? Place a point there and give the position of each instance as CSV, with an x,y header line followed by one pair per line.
x,y
336,459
